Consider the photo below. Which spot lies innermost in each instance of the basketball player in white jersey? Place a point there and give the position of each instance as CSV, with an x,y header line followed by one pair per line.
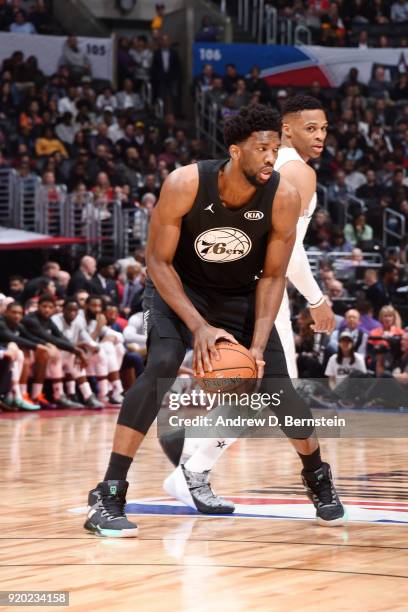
x,y
304,130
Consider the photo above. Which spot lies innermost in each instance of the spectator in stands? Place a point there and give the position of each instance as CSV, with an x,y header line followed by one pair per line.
x,y
73,329
49,271
216,94
338,241
400,372
16,287
69,102
40,17
103,282
351,324
390,323
128,99
105,363
47,143
320,230
399,92
157,21
308,360
204,81
166,76
74,59
358,232
142,58
241,96
20,25
367,321
81,279
345,361
208,30
133,289
338,197
381,293
384,341
399,11
256,84
336,290
66,130
378,87
100,138
40,325
34,350
106,99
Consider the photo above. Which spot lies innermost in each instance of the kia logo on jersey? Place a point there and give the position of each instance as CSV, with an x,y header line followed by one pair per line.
x,y
254,215
222,244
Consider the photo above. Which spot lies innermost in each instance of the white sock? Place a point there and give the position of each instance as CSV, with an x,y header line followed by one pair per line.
x,y
70,384
57,390
117,386
191,445
103,388
23,387
85,389
15,387
36,390
208,453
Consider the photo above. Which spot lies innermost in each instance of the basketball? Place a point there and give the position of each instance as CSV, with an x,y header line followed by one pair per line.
x,y
235,366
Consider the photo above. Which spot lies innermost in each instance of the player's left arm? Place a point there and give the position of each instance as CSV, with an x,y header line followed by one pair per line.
x,y
303,177
270,288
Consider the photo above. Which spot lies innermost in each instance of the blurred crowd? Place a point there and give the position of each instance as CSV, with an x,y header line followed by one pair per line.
x,y
359,23
81,334
27,17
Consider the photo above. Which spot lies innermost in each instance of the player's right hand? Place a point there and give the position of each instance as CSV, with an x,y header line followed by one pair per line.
x,y
205,350
324,319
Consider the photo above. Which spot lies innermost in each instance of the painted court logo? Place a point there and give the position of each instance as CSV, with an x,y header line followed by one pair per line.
x,y
222,244
267,507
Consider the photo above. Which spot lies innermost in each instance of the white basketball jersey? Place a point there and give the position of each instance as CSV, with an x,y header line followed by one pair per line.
x,y
285,155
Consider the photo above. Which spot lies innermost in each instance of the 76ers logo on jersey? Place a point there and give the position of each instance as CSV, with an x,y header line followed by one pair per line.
x,y
222,244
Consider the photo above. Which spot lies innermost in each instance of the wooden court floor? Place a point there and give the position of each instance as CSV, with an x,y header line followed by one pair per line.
x,y
195,563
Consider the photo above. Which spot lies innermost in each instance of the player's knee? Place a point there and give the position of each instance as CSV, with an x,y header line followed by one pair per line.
x,y
164,365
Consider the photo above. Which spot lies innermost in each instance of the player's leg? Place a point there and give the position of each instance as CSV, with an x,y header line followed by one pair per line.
x,y
106,502
283,325
316,474
98,367
108,348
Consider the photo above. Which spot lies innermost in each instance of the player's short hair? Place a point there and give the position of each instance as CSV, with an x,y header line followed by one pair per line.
x,y
70,300
93,297
297,104
46,297
254,118
13,305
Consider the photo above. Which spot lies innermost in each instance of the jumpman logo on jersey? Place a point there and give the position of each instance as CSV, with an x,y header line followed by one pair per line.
x,y
210,208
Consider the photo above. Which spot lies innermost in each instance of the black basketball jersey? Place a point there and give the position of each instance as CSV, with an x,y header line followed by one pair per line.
x,y
220,248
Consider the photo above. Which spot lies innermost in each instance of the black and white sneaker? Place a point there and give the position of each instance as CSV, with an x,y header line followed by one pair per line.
x,y
65,402
322,493
194,490
106,511
173,444
93,403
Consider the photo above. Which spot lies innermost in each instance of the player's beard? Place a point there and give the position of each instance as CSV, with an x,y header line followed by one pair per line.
x,y
251,178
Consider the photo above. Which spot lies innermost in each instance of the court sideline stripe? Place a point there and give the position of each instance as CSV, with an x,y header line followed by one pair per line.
x,y
215,566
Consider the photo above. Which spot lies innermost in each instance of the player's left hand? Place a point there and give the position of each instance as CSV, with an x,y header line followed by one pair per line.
x,y
257,354
324,319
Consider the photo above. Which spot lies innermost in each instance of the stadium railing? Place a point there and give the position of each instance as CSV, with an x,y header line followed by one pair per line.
x,y
394,226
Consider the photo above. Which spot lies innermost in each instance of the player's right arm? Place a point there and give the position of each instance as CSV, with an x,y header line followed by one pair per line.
x,y
303,177
176,200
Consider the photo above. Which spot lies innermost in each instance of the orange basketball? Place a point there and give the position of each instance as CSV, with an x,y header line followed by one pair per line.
x,y
235,365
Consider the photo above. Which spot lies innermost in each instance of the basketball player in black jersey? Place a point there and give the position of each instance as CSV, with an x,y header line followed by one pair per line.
x,y
215,272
